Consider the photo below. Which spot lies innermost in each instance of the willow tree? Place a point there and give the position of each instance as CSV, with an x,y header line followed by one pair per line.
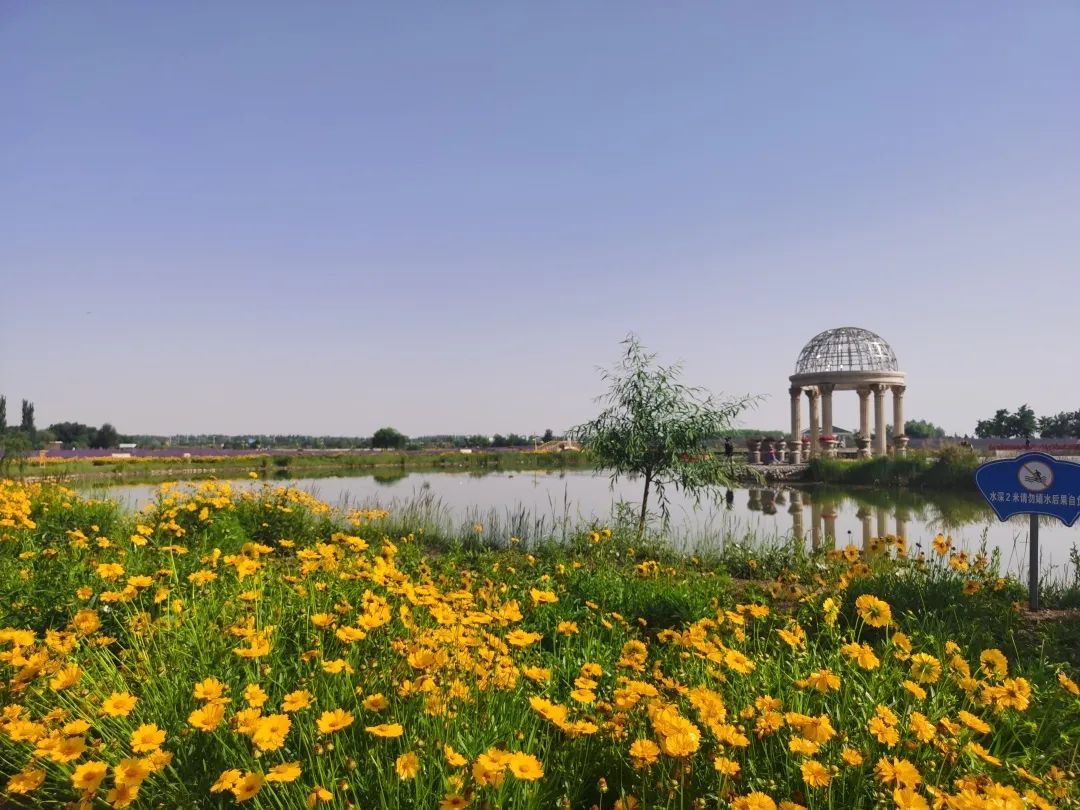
x,y
656,428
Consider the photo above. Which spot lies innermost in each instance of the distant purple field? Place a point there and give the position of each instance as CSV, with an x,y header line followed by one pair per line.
x,y
168,452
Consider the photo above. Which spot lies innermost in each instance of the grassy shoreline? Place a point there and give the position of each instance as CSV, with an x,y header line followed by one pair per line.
x,y
291,465
950,469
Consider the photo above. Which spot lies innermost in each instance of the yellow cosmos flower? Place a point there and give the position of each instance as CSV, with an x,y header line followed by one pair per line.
x,y
753,801
130,771
26,781
122,795
851,757
376,702
739,663
295,701
520,638
211,690
1068,684
525,767
489,768
823,681
208,717
335,720
118,704
873,611
974,723
226,781
87,777
982,753
407,766
726,767
925,668
247,786
254,695
270,732
543,597
915,690
76,727
906,798
65,678
815,774
862,654
922,727
994,663
318,794
897,772
453,758
390,730
146,737
284,772
643,753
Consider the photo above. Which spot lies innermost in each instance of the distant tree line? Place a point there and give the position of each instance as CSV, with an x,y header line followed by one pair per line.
x,y
16,440
1023,424
393,439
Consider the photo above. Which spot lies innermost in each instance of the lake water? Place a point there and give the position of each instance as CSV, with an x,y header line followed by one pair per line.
x,y
531,503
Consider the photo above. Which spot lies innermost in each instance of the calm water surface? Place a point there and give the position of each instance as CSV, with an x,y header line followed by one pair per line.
x,y
534,502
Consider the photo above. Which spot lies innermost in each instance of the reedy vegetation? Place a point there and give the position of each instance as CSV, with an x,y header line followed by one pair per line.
x,y
261,647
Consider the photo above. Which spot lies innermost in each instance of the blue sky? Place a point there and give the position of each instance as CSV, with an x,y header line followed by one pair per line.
x,y
323,218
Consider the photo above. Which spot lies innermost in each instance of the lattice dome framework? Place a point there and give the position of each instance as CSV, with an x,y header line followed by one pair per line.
x,y
848,348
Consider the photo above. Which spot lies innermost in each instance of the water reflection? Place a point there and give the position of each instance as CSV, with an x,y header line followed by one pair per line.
x,y
878,513
820,517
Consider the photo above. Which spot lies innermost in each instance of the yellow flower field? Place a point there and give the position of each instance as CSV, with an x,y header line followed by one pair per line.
x,y
257,647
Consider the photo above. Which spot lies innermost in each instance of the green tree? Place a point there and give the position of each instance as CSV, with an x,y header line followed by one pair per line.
x,y
74,434
105,436
14,445
921,429
1004,424
1064,425
389,438
3,414
549,436
27,425
1024,422
656,427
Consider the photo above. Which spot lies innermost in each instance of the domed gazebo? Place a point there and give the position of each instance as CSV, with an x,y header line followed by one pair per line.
x,y
848,359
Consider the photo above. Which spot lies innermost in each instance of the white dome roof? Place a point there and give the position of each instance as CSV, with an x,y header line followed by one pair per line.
x,y
847,348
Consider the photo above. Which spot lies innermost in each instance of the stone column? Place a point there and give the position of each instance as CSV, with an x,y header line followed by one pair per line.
x,y
796,424
899,438
815,420
882,523
815,524
865,515
826,408
879,418
798,531
864,422
902,517
753,451
829,518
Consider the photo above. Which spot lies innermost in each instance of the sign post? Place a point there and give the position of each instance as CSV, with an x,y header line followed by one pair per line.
x,y
1032,484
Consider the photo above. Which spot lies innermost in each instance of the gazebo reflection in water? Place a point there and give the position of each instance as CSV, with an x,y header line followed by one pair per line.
x,y
876,521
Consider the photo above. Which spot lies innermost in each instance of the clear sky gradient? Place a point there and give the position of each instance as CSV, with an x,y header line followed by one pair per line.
x,y
327,217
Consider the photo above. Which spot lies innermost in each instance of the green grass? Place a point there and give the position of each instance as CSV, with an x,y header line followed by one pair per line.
x,y
950,469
